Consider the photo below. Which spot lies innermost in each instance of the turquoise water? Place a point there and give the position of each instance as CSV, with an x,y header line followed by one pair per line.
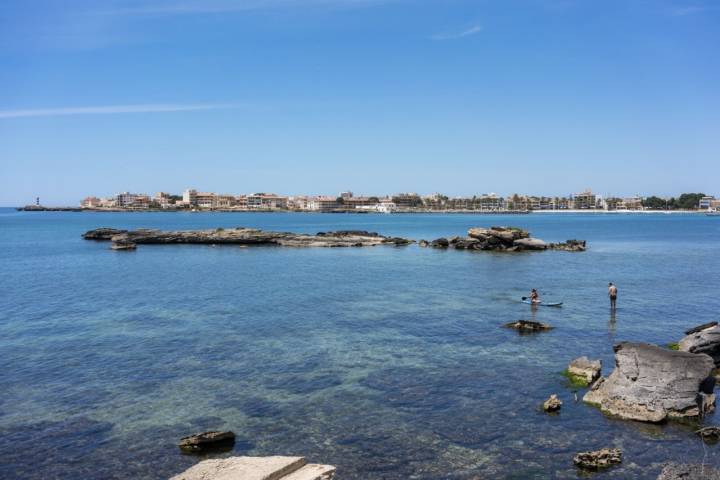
x,y
387,362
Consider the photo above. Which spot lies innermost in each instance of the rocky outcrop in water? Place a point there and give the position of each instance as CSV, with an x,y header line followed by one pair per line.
x,y
552,404
504,239
243,236
703,339
651,384
583,370
686,471
257,468
598,459
205,441
528,326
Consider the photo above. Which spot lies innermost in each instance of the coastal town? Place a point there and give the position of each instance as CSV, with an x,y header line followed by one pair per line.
x,y
347,202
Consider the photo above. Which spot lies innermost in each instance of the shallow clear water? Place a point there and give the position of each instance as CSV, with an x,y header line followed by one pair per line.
x,y
387,362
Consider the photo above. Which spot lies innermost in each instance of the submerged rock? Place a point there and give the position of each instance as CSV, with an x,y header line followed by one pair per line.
x,y
552,404
598,459
651,384
204,441
528,326
244,236
584,370
687,471
703,339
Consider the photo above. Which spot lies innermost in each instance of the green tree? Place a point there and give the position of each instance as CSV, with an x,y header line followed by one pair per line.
x,y
654,203
689,201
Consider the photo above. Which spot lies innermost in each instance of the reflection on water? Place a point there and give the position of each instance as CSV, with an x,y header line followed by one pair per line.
x,y
388,362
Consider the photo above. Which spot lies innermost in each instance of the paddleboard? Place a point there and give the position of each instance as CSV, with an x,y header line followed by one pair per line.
x,y
544,304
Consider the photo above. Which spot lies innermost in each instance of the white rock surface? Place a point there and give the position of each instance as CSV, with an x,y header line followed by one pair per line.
x,y
243,468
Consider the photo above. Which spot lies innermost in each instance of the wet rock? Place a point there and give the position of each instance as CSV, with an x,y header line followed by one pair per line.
x,y
709,434
598,459
552,404
423,243
244,236
703,339
440,243
528,326
584,370
686,471
651,384
205,441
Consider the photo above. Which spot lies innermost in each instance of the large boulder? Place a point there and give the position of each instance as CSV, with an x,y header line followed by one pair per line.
x,y
705,340
651,384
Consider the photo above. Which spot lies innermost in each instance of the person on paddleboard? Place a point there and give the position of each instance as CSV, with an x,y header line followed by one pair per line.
x,y
534,296
612,293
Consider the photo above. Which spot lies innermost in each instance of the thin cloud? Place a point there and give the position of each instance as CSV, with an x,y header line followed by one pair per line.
x,y
454,35
112,109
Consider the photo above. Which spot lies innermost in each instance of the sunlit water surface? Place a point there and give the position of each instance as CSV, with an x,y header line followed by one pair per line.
x,y
387,362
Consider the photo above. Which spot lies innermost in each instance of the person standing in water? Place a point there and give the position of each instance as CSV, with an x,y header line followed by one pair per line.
x,y
612,293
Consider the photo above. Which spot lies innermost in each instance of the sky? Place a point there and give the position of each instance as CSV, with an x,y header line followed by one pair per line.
x,y
461,97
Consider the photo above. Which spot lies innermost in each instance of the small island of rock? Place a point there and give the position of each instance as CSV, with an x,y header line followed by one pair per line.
x,y
503,239
128,239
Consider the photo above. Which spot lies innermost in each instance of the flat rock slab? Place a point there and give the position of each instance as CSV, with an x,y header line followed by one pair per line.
x,y
244,236
651,384
312,471
243,468
201,442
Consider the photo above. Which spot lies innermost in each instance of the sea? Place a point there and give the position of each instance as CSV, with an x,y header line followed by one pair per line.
x,y
387,362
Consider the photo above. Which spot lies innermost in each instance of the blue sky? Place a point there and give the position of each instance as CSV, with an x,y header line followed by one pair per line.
x,y
376,96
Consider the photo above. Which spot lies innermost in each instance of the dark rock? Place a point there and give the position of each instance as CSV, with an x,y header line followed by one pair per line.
x,y
440,243
686,471
423,243
598,459
205,441
709,434
651,384
528,326
102,233
700,328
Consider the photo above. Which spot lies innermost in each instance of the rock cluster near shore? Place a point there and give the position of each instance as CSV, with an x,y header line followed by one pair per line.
x,y
652,384
503,239
128,239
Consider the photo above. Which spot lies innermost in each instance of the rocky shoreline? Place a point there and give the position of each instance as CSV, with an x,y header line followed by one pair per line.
x,y
129,239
